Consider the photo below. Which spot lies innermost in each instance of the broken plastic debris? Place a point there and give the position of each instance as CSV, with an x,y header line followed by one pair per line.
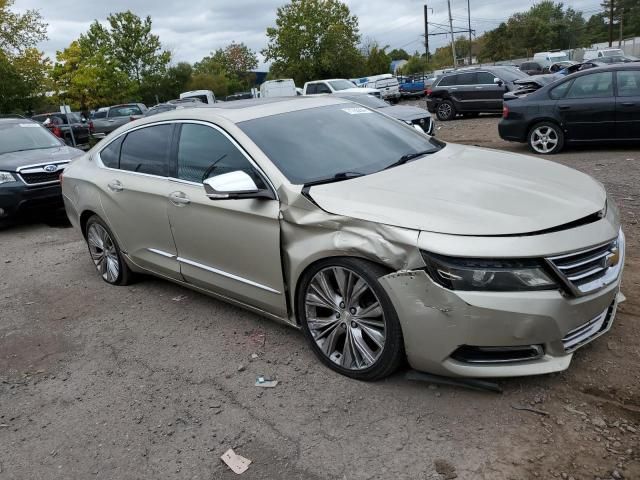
x,y
179,298
264,382
235,462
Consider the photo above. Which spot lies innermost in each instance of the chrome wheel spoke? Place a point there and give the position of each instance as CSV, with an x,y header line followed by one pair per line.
x,y
345,318
103,252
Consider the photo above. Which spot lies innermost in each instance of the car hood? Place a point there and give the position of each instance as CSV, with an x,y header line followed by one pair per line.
x,y
14,160
467,191
404,112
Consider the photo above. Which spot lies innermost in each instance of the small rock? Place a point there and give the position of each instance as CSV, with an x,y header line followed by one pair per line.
x,y
598,422
617,475
241,368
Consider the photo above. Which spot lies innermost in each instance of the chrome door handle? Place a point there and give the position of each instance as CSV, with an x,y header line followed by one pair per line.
x,y
179,199
115,186
479,88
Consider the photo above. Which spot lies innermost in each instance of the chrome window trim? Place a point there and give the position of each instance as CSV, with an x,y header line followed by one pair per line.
x,y
217,271
179,180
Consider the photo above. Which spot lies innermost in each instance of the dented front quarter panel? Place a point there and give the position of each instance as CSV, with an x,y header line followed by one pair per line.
x,y
309,234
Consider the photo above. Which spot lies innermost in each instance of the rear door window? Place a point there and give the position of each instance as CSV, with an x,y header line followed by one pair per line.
x,y
147,150
467,79
560,91
448,81
594,85
629,83
311,89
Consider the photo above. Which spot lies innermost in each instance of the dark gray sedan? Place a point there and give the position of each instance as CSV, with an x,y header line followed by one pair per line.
x,y
416,116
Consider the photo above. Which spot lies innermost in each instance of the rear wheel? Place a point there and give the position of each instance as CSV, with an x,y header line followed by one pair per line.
x,y
546,138
349,319
445,111
106,254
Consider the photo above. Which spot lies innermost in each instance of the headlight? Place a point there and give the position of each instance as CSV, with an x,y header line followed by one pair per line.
x,y
6,177
506,275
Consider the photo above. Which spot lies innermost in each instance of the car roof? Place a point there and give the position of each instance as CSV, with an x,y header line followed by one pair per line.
x,y
243,110
4,121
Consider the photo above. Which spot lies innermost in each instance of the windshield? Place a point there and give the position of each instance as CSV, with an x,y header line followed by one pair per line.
x,y
367,100
320,143
15,137
616,52
341,84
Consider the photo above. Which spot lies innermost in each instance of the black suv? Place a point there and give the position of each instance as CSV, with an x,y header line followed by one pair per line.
x,y
471,91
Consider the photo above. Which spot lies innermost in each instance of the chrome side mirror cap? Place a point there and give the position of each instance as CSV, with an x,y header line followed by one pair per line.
x,y
233,185
497,81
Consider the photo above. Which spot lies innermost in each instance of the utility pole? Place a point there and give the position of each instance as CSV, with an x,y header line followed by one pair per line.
x,y
453,42
426,34
611,22
621,29
469,12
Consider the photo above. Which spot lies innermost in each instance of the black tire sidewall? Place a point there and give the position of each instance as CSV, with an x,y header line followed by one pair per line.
x,y
124,272
559,132
393,351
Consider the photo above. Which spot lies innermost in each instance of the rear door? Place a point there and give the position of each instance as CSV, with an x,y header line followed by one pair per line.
x,y
588,110
467,92
134,189
628,104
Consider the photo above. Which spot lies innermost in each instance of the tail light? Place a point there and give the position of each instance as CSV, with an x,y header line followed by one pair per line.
x,y
57,132
428,92
505,110
91,127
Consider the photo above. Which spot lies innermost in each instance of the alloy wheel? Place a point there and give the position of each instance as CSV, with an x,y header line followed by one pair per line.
x,y
103,252
544,139
444,110
345,318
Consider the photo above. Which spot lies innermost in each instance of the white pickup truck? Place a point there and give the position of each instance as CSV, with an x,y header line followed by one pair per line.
x,y
335,85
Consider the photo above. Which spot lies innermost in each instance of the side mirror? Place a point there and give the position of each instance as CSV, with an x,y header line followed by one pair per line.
x,y
234,185
498,82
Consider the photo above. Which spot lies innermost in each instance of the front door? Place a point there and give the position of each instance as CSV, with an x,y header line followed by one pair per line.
x,y
588,110
490,92
230,247
628,104
134,188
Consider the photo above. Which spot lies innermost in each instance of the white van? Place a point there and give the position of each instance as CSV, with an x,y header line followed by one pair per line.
x,y
605,52
546,59
318,87
283,87
386,83
205,96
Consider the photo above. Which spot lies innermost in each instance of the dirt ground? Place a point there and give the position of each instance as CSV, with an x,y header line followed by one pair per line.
x,y
156,381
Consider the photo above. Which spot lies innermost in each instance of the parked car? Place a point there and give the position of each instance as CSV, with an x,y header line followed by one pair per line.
x,y
376,240
386,83
532,68
595,105
31,159
168,107
578,67
319,87
546,59
471,91
62,125
205,96
282,87
417,117
411,87
556,67
238,96
186,101
598,54
106,121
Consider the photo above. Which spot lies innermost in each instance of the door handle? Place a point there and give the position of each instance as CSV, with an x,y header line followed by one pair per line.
x,y
564,107
479,88
115,186
628,104
179,199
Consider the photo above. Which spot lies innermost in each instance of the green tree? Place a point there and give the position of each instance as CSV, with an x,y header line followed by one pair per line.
x,y
314,39
416,64
234,62
377,60
19,32
218,83
399,54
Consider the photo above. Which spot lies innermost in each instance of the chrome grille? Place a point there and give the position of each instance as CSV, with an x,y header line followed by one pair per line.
x,y
591,269
40,174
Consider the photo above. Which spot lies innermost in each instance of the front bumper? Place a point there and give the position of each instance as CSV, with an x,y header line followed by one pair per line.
x,y
17,198
438,324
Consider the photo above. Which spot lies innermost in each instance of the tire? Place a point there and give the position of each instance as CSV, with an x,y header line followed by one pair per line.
x,y
106,254
348,318
445,111
545,138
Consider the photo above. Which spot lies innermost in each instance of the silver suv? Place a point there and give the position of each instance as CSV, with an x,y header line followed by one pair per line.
x,y
378,241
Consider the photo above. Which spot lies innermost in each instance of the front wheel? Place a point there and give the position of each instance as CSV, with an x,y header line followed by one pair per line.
x,y
445,111
546,138
105,253
348,318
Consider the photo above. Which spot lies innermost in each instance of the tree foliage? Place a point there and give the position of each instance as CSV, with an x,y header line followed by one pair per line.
x,y
233,62
314,39
399,54
20,32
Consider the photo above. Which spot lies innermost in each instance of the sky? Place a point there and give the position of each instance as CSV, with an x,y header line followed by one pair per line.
x,y
192,29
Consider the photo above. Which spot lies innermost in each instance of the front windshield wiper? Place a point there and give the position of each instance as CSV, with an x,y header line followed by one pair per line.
x,y
408,157
335,178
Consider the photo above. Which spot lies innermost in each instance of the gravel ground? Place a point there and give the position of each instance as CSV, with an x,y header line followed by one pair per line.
x,y
156,381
